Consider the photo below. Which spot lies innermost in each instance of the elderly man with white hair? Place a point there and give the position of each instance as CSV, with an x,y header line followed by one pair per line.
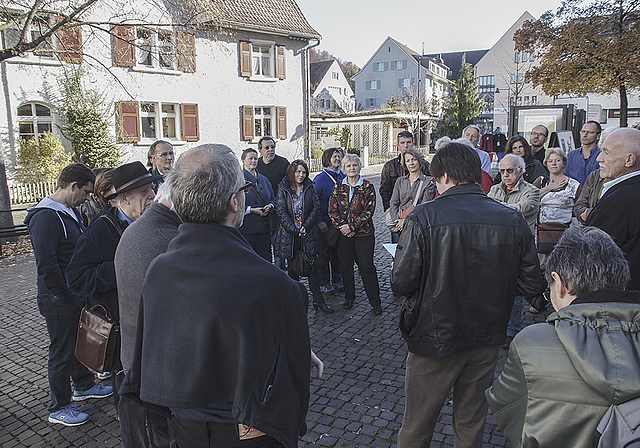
x,y
516,192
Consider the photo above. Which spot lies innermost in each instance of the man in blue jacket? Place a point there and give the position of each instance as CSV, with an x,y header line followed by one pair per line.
x,y
55,225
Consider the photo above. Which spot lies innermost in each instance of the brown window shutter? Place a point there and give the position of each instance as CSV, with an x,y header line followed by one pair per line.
x,y
245,58
247,122
124,54
70,43
281,52
190,125
129,121
186,52
281,112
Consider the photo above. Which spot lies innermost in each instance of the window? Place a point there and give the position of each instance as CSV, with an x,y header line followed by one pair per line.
x,y
380,66
33,120
516,58
526,101
404,83
532,56
335,75
534,100
371,102
162,49
520,78
399,65
373,85
525,56
261,121
149,120
262,60
487,81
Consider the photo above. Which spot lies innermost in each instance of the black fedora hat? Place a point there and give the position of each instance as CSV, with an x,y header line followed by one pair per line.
x,y
129,176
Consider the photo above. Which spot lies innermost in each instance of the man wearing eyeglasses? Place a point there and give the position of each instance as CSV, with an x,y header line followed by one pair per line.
x,y
539,135
160,160
582,161
520,194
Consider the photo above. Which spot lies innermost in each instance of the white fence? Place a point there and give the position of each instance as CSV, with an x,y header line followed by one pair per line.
x,y
29,193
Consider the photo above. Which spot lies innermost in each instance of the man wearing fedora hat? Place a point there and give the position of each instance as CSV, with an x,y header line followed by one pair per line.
x,y
91,271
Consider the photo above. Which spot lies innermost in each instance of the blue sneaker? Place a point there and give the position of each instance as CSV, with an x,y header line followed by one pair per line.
x,y
69,416
97,391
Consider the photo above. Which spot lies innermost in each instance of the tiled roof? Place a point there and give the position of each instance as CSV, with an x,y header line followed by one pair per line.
x,y
453,60
423,60
317,70
269,15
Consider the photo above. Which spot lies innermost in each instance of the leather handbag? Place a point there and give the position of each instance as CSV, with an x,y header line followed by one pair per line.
x,y
301,263
549,233
98,340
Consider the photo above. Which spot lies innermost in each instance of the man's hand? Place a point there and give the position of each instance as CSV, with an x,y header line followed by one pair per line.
x,y
317,363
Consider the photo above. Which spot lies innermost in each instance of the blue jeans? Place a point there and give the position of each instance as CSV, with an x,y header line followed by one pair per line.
x,y
62,317
515,321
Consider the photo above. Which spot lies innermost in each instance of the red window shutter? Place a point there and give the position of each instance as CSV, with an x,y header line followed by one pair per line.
x,y
247,123
281,112
190,126
124,54
281,53
186,52
129,121
245,59
70,43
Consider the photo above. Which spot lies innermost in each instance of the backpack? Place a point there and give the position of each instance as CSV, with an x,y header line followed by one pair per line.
x,y
620,426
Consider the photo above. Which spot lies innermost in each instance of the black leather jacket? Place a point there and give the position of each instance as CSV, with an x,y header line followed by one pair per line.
x,y
461,260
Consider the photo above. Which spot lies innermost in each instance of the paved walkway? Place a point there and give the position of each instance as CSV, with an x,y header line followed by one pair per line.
x,y
359,402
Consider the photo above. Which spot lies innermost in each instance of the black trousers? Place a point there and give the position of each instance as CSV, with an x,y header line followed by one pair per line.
x,y
194,434
358,248
141,428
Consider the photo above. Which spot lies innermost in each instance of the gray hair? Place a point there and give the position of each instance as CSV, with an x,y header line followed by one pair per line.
x,y
471,126
203,181
587,259
164,193
464,141
605,133
350,158
442,142
519,159
557,151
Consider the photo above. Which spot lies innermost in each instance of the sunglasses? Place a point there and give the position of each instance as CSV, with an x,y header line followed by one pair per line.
x,y
508,170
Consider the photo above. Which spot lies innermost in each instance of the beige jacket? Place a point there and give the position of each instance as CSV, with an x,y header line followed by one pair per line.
x,y
524,196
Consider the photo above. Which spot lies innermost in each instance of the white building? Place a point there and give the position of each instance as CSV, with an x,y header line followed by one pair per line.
x,y
239,71
330,90
397,70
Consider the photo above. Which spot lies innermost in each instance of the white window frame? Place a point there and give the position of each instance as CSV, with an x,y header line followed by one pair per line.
x,y
399,65
380,66
335,75
404,83
36,56
35,119
371,102
158,122
153,49
271,118
270,46
373,84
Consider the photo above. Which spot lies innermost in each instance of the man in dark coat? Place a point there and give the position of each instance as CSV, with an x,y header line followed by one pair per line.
x,y
456,310
160,161
224,345
55,226
618,211
143,241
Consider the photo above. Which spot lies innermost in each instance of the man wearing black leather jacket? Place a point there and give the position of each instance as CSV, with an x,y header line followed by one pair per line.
x,y
456,310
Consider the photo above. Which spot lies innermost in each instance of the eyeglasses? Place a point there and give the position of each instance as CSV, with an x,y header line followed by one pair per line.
x,y
269,147
508,170
164,155
246,186
538,134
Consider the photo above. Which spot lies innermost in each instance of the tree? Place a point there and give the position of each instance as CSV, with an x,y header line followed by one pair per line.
x,y
414,102
463,106
87,123
586,48
41,159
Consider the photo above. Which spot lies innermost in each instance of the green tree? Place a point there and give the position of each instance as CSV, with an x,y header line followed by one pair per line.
x,y
41,159
86,125
464,105
586,47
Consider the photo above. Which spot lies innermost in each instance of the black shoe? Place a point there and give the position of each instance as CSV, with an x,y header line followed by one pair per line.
x,y
322,307
377,310
348,304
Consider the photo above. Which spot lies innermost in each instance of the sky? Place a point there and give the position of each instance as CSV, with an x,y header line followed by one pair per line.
x,y
352,30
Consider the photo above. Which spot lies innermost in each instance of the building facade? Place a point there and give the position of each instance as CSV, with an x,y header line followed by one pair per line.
x,y
330,90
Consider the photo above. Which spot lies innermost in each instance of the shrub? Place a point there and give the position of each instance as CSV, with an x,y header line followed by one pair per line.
x,y
41,160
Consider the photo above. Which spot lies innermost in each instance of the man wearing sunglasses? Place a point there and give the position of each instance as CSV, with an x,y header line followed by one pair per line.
x,y
518,193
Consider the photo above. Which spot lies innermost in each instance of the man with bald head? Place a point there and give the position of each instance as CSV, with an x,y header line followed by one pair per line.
x,y
617,212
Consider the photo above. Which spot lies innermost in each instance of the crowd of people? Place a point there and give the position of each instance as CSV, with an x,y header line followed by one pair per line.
x,y
208,358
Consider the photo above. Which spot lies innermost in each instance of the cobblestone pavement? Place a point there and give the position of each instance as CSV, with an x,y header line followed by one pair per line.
x,y
359,401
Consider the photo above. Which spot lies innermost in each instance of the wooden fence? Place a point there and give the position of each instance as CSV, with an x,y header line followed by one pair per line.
x,y
29,193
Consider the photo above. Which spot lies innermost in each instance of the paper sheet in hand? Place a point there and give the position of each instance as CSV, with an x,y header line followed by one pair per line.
x,y
391,248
